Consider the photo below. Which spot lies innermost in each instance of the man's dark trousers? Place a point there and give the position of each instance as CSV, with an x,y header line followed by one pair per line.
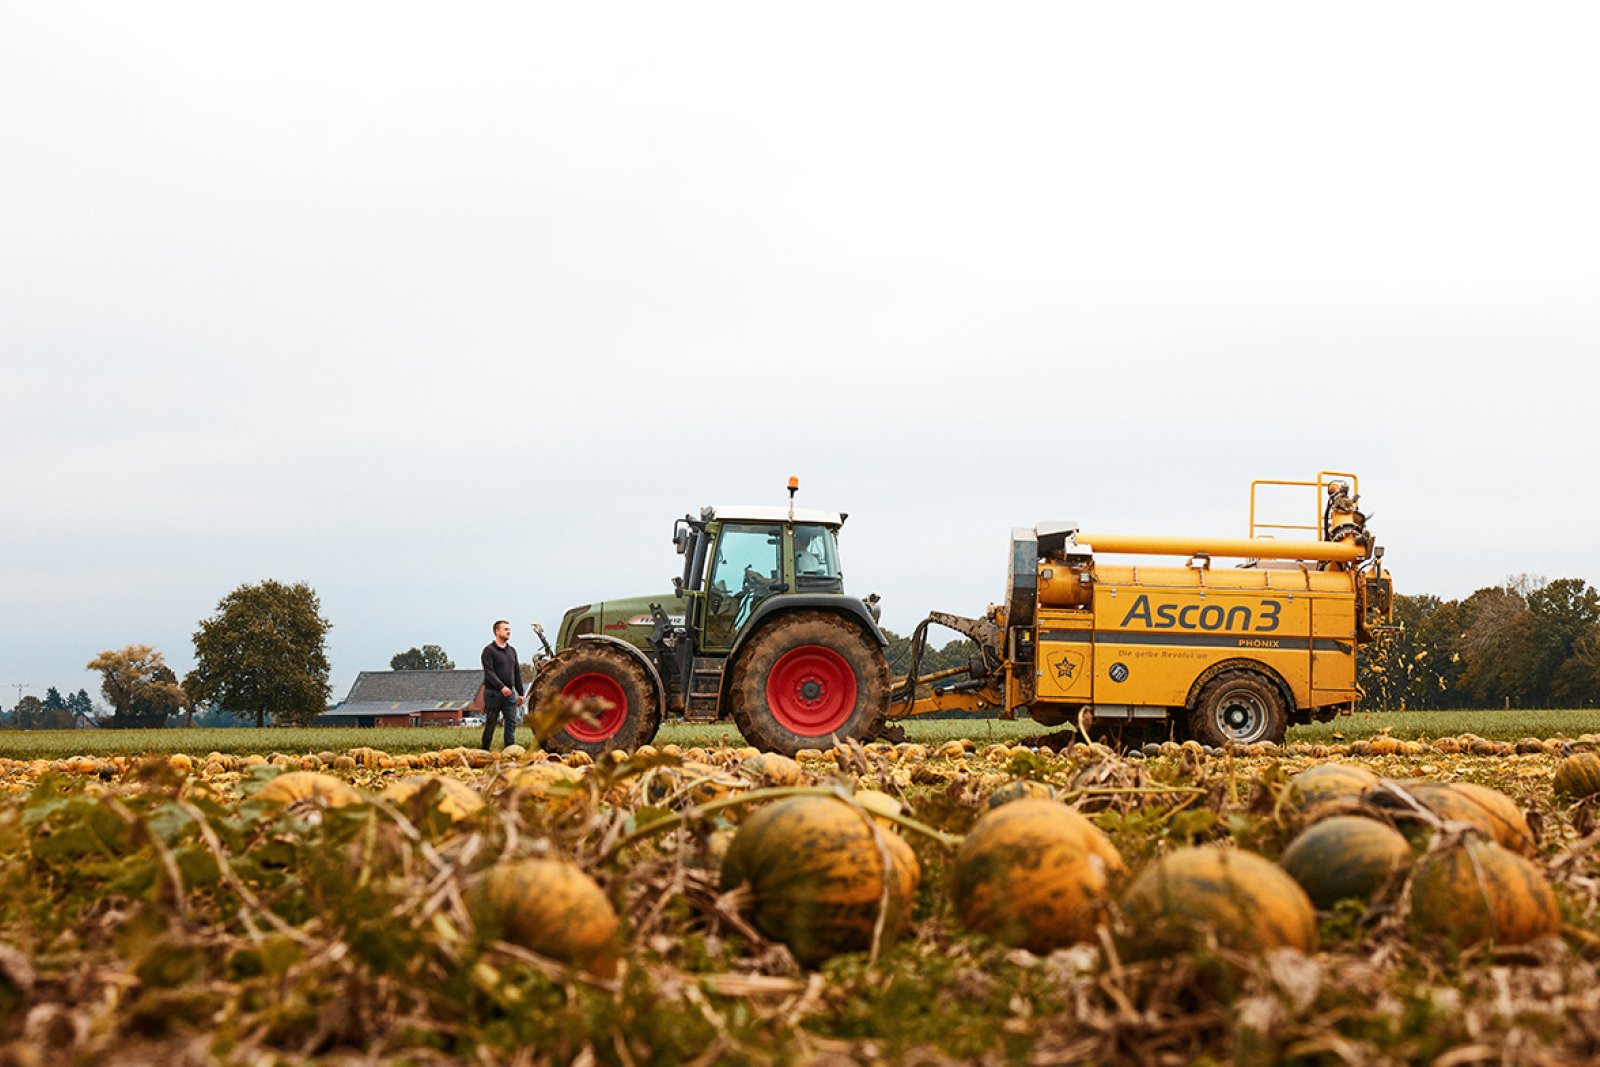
x,y
506,708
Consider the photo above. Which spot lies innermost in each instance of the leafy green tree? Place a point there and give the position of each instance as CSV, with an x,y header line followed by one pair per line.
x,y
1561,613
30,713
426,658
57,719
53,700
1577,681
140,687
1496,645
80,704
264,654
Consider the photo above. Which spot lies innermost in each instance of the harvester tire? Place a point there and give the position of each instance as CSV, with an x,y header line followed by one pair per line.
x,y
807,678
1239,707
592,669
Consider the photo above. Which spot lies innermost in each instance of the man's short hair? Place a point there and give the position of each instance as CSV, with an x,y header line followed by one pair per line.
x,y
499,623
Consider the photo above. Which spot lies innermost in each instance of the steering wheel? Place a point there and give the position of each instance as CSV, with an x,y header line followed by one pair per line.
x,y
754,583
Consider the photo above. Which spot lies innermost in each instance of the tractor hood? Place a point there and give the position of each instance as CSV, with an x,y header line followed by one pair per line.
x,y
627,618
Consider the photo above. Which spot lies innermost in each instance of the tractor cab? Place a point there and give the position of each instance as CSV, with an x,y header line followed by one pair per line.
x,y
735,558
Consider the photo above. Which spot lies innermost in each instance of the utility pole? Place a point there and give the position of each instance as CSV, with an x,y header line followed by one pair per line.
x,y
19,687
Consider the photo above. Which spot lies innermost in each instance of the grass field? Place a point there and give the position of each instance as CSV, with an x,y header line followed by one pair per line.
x,y
55,744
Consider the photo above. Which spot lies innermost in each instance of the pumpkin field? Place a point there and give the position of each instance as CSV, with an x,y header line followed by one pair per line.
x,y
1032,900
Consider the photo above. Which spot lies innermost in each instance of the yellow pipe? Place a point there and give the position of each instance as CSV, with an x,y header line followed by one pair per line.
x,y
1236,547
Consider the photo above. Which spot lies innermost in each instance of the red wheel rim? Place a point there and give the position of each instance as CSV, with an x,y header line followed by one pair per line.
x,y
605,688
811,691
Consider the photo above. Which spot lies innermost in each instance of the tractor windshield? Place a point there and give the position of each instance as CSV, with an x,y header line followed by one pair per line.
x,y
816,559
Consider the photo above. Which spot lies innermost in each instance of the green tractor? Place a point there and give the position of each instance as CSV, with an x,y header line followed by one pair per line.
x,y
758,629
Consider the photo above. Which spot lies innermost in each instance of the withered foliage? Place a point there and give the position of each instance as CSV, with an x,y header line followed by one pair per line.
x,y
149,915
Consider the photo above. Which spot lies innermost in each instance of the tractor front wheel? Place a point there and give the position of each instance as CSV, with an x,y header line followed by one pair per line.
x,y
807,678
592,669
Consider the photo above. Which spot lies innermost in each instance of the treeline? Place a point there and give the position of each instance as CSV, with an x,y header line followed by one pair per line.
x,y
1526,644
54,712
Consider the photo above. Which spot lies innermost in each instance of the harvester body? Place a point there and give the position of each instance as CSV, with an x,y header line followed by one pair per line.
x,y
1191,650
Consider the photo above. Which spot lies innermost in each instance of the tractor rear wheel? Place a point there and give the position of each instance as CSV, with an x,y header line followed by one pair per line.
x,y
807,678
1241,707
592,669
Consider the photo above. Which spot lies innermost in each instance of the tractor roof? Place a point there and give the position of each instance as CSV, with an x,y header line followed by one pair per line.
x,y
749,513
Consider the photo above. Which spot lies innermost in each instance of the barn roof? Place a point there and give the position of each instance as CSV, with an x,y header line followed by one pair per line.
x,y
391,692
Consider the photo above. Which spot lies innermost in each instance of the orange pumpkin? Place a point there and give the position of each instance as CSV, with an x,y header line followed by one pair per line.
x,y
552,784
1249,903
772,769
1474,892
1328,781
691,784
1346,856
295,786
1492,813
816,872
1383,745
1578,776
455,799
556,910
1034,873
1509,826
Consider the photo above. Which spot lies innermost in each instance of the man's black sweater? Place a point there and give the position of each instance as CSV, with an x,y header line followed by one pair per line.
x,y
500,669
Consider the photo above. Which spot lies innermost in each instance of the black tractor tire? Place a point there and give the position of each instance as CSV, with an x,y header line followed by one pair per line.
x,y
591,668
1240,707
807,678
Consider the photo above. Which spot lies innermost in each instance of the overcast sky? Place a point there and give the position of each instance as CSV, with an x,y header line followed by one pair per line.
x,y
450,310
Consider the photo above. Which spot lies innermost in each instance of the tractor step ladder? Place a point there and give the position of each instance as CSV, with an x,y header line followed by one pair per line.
x,y
704,701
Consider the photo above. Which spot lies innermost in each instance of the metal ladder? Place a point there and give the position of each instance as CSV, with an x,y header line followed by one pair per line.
x,y
704,699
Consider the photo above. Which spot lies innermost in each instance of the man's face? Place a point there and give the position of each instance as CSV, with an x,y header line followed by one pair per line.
x,y
502,633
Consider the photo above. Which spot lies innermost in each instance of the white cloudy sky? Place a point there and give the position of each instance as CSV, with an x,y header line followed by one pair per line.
x,y
450,309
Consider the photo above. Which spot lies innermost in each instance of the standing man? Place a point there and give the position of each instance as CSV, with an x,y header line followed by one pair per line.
x,y
502,684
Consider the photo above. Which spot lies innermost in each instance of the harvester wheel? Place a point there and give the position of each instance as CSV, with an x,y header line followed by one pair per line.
x,y
592,669
806,678
1241,707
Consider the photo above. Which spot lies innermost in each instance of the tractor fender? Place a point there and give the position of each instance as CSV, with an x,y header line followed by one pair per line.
x,y
1254,665
782,604
644,661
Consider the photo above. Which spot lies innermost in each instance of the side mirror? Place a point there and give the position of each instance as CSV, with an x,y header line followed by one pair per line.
x,y
677,587
680,537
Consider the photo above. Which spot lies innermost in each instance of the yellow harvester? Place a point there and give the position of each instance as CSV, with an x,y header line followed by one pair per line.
x,y
1220,654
